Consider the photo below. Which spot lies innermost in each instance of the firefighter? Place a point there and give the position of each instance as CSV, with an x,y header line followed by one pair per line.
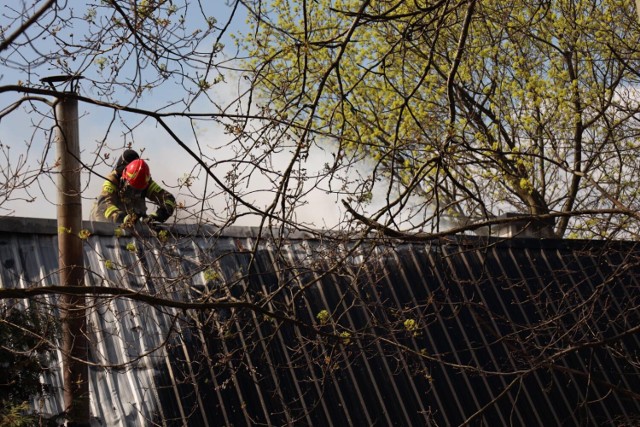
x,y
122,199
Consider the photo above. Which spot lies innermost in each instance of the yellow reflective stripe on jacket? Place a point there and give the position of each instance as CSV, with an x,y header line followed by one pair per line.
x,y
154,188
160,195
110,211
109,187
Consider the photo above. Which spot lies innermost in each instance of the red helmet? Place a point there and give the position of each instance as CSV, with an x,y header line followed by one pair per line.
x,y
137,174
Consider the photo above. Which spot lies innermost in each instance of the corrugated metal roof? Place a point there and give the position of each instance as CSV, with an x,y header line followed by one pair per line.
x,y
503,332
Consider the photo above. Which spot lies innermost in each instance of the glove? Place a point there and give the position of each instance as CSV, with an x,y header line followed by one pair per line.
x,y
148,219
159,216
151,220
129,220
118,217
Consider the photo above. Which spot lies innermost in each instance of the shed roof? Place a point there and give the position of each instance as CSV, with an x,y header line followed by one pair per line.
x,y
477,330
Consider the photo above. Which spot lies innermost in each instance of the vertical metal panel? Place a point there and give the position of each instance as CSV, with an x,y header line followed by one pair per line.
x,y
349,392
337,295
541,284
326,389
310,387
270,375
429,315
498,325
515,296
566,286
442,341
399,281
607,288
471,329
275,344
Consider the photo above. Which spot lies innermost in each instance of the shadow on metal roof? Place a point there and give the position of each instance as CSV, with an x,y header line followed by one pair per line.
x,y
472,331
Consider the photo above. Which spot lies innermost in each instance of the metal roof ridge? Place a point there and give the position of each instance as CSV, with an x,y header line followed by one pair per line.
x,y
49,226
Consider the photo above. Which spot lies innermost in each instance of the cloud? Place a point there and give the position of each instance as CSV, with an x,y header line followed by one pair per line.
x,y
104,135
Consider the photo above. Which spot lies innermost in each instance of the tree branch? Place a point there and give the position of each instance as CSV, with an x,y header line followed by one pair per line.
x,y
7,42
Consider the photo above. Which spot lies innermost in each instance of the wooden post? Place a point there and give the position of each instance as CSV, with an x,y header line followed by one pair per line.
x,y
71,263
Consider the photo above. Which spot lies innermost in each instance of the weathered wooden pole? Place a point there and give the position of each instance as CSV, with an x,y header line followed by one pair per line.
x,y
71,259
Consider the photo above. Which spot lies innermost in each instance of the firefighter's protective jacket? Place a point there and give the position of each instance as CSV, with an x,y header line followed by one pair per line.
x,y
116,201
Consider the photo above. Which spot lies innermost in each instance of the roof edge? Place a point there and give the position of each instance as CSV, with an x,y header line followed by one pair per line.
x,y
48,226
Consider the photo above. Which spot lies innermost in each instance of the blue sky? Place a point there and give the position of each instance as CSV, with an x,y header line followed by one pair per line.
x,y
170,165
